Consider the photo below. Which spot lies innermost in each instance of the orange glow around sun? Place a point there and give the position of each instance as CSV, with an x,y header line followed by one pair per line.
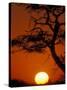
x,y
41,78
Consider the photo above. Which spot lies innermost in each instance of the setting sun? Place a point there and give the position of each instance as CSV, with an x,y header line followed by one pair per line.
x,y
41,78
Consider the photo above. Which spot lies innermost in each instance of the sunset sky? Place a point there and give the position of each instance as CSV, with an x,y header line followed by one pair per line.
x,y
25,65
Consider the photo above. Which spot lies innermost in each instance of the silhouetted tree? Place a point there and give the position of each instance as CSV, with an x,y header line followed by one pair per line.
x,y
37,39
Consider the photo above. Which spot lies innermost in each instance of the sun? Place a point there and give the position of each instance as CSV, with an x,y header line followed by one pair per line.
x,y
41,78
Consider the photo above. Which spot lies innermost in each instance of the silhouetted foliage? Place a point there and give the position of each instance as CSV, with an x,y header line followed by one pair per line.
x,y
38,38
17,83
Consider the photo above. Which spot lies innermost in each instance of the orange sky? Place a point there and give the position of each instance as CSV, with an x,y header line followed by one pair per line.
x,y
25,65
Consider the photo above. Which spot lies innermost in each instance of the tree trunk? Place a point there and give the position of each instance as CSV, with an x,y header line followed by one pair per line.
x,y
57,59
